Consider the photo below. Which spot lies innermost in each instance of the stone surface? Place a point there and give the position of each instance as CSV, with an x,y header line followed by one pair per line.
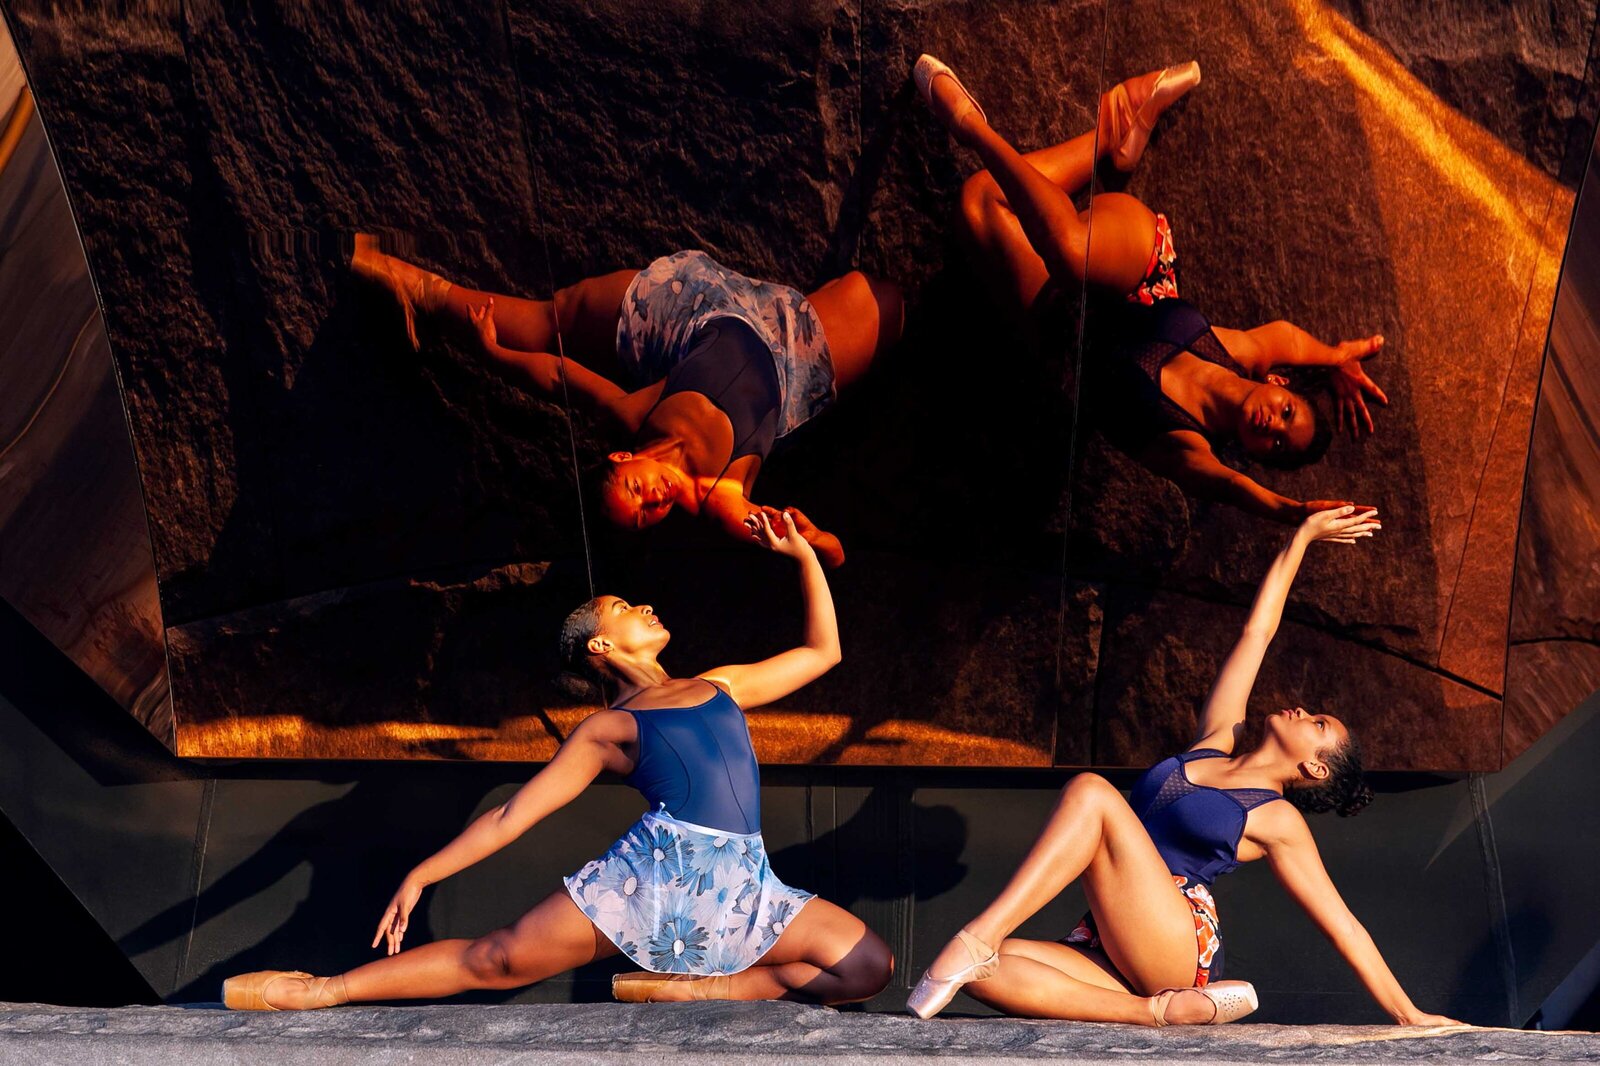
x,y
720,1032
1339,167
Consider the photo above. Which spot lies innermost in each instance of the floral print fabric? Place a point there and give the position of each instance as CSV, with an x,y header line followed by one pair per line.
x,y
679,293
682,898
1161,276
1207,930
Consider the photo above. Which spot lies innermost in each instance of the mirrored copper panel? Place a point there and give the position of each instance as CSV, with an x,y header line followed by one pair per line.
x,y
1332,171
75,556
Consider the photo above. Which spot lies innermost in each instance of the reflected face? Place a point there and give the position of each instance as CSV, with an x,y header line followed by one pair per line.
x,y
631,629
1275,421
1303,736
638,492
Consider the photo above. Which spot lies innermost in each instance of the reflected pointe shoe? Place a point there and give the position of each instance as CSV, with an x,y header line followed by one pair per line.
x,y
1131,125
642,986
923,74
248,991
933,994
1230,1001
413,288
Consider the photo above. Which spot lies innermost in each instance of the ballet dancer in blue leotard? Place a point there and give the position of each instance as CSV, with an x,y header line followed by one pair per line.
x,y
1150,950
687,892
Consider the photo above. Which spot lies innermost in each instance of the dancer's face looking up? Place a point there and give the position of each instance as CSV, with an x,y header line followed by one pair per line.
x,y
624,629
638,492
1275,424
1306,738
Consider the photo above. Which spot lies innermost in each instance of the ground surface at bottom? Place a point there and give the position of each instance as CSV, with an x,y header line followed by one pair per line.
x,y
711,1033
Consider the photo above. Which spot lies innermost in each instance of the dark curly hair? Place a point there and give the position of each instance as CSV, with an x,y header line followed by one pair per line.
x,y
1344,790
1301,385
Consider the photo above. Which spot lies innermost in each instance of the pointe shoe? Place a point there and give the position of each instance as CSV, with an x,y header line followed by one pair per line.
x,y
1131,127
933,994
1230,1001
928,68
642,986
413,288
248,991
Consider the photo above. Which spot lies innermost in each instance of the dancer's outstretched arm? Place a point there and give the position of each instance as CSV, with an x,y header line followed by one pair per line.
x,y
772,679
1222,715
1279,344
594,746
1282,832
1195,469
542,372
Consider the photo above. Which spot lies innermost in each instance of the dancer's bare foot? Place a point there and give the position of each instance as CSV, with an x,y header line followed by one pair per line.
x,y
1129,112
413,288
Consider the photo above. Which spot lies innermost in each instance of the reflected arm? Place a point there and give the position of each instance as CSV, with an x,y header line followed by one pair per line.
x,y
541,373
1186,458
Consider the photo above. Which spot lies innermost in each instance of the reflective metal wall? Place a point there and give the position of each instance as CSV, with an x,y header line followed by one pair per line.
x,y
75,556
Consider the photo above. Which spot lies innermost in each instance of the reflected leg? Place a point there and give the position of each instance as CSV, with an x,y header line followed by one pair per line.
x,y
862,317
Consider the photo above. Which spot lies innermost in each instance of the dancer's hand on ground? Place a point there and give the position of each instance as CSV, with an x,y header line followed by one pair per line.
x,y
397,915
1420,1018
782,536
1352,386
483,321
1341,525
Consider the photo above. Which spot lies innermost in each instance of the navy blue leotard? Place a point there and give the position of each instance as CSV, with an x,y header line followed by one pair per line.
x,y
729,364
1196,828
698,764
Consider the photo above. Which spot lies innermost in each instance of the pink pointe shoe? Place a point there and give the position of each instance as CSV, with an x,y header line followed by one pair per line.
x,y
1230,1001
1131,127
925,71
933,994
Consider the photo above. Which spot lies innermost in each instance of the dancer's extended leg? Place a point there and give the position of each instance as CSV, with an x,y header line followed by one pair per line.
x,y
826,955
586,311
1145,923
552,938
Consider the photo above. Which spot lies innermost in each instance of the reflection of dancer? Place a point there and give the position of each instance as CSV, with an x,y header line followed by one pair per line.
x,y
701,368
686,893
1167,388
1190,819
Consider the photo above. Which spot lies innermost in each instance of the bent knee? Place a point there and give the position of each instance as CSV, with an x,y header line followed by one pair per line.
x,y
1088,787
867,970
488,958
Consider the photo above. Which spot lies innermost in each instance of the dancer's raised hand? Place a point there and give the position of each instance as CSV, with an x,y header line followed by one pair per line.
x,y
483,322
782,537
1341,525
395,917
1352,386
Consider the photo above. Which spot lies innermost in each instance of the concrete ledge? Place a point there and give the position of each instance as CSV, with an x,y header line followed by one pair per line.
x,y
712,1033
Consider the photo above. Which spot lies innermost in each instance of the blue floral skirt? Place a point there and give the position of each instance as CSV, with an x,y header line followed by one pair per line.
x,y
677,294
681,898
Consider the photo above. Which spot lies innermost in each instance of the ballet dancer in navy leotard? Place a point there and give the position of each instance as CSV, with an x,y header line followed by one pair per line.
x,y
687,893
1151,946
1160,381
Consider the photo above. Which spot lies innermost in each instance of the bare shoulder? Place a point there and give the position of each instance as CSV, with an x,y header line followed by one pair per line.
x,y
606,727
1278,824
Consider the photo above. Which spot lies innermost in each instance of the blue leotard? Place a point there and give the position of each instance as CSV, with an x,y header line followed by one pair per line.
x,y
697,762
729,364
1196,828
